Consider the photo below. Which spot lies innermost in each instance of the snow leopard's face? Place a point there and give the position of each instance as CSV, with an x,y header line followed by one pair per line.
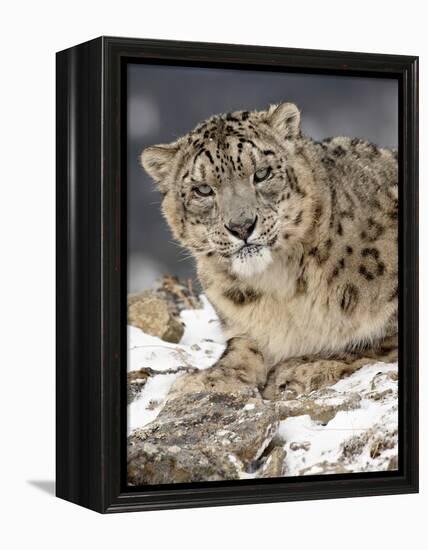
x,y
229,189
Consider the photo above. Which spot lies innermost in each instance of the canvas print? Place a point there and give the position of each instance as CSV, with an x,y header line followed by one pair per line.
x,y
262,274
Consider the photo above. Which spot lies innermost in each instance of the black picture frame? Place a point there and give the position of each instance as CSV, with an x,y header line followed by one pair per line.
x,y
91,275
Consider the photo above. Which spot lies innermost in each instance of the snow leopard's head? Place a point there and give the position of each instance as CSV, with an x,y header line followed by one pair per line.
x,y
229,186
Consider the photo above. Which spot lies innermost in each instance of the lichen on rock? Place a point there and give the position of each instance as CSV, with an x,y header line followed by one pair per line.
x,y
202,437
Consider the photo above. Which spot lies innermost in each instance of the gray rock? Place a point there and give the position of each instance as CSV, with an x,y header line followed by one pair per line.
x,y
321,405
273,465
204,437
153,315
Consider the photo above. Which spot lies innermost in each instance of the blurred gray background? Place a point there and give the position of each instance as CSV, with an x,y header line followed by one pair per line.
x,y
165,102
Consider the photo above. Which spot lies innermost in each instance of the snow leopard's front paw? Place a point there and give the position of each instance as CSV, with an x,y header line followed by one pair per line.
x,y
302,375
241,369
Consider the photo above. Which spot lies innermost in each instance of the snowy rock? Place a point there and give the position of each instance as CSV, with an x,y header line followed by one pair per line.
x,y
274,463
321,405
136,382
205,437
153,315
350,427
346,422
201,437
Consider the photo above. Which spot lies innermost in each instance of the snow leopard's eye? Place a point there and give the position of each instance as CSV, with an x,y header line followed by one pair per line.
x,y
262,174
203,190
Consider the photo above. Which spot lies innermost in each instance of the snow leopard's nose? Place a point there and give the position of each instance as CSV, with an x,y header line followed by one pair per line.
x,y
242,230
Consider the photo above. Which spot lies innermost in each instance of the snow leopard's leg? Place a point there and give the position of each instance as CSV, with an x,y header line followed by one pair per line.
x,y
241,368
300,375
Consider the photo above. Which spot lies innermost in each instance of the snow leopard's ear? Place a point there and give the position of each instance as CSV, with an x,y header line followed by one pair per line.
x,y
285,118
157,161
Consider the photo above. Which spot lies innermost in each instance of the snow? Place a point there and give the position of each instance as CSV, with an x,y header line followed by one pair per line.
x,y
311,447
146,408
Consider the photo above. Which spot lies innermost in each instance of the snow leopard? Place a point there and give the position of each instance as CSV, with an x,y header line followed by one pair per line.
x,y
295,241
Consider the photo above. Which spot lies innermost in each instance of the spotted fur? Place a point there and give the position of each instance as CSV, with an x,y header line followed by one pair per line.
x,y
318,271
